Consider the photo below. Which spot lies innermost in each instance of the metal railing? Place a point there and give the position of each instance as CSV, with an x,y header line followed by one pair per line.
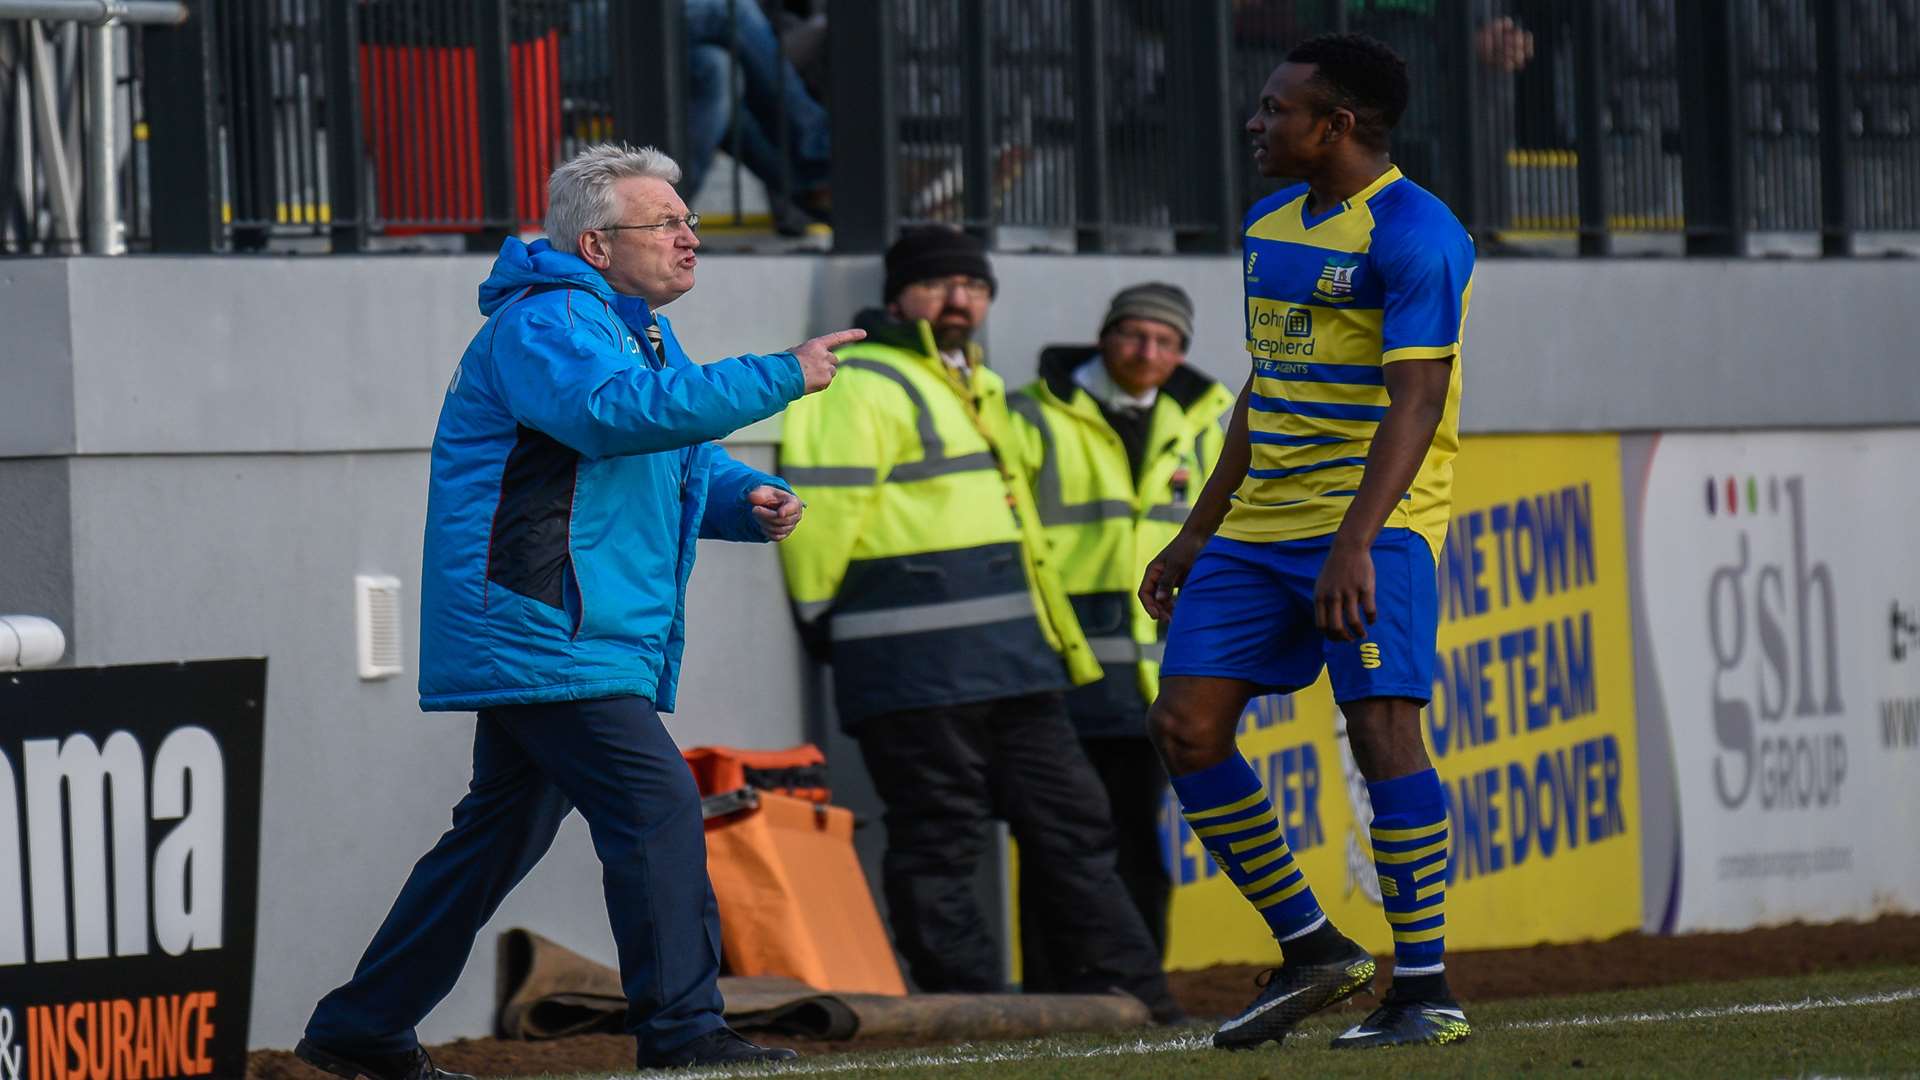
x,y
1871,90
1552,125
1697,126
68,167
1062,124
398,117
344,119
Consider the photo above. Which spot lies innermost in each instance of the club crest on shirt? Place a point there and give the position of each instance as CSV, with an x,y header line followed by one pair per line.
x,y
1336,280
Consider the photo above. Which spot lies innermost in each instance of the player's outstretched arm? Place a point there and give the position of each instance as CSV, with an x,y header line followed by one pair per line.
x,y
1417,391
1168,570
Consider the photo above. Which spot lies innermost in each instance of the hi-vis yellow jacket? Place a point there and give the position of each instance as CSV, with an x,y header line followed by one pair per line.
x,y
920,568
1104,525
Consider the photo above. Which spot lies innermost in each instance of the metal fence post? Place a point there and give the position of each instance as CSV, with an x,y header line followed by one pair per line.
x,y
16,165
650,97
184,151
1596,209
250,118
977,107
1832,24
1469,198
103,200
1713,173
866,129
1199,42
346,157
493,72
1092,194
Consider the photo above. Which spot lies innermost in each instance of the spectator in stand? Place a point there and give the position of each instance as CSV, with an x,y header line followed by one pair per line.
x,y
718,33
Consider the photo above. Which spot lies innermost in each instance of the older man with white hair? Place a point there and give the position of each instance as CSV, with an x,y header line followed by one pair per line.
x,y
574,470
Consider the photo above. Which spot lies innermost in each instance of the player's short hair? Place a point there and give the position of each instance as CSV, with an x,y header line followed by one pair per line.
x,y
580,192
1361,74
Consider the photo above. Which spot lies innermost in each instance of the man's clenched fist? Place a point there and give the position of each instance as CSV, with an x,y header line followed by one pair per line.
x,y
776,509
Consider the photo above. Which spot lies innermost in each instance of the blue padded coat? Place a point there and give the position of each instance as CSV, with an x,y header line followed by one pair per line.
x,y
573,472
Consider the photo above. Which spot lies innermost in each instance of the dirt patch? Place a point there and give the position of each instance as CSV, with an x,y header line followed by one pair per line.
x,y
1626,962
1629,961
557,1057
483,1057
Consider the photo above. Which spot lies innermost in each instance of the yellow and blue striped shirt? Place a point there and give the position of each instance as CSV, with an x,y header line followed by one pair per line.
x,y
1332,300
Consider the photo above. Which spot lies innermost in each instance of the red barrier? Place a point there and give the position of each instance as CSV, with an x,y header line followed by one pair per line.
x,y
420,109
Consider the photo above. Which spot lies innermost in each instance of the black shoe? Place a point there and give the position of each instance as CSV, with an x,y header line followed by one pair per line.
x,y
414,1065
1405,1021
1292,992
721,1046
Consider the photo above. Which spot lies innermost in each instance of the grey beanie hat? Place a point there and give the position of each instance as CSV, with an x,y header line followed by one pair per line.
x,y
1154,300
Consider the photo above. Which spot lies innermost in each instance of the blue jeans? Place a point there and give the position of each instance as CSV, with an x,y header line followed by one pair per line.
x,y
768,83
532,764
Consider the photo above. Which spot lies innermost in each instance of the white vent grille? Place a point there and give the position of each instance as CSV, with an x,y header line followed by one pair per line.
x,y
376,604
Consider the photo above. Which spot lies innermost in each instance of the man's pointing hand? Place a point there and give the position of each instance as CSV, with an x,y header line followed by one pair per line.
x,y
817,361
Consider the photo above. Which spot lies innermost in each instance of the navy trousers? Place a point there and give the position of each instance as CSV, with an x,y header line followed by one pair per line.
x,y
532,764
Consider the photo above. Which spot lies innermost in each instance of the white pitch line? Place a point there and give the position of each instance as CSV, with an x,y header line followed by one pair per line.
x,y
1766,1008
1197,1042
957,1057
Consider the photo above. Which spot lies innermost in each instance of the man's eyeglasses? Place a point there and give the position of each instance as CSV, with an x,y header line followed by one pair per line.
x,y
975,288
672,224
1140,339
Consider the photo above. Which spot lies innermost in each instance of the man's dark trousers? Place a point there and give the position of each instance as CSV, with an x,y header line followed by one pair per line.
x,y
532,764
942,774
1135,780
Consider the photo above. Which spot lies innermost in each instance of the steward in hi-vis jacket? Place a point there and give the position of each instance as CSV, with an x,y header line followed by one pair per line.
x,y
1117,438
923,577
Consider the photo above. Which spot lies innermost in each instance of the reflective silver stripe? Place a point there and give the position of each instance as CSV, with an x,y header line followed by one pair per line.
x,y
1086,513
811,610
1123,650
1029,410
936,462
924,617
1046,487
1173,512
921,470
828,475
923,416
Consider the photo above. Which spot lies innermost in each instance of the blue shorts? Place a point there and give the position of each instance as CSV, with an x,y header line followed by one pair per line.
x,y
1246,612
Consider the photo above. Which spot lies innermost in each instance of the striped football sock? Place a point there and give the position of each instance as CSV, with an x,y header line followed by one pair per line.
x,y
1410,846
1229,811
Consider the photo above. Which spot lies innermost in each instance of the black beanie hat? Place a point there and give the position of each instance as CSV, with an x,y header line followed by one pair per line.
x,y
927,252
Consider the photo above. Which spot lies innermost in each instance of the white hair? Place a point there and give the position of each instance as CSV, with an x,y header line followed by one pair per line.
x,y
580,192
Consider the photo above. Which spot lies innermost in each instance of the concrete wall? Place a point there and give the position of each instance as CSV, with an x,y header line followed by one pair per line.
x,y
197,455
1572,345
177,355
36,358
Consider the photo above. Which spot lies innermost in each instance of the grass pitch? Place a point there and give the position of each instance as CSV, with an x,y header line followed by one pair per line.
x,y
1860,1023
